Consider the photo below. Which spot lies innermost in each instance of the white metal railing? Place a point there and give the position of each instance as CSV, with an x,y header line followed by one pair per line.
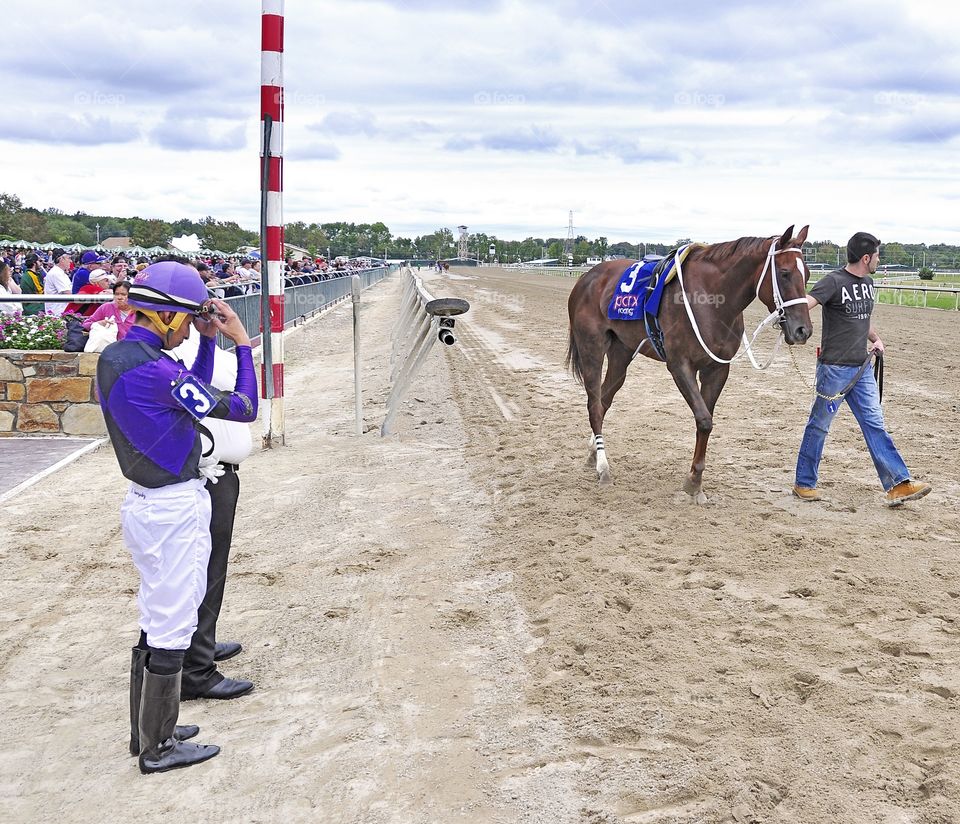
x,y
422,320
899,291
557,271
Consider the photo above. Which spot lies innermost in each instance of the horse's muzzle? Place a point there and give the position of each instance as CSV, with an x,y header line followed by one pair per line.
x,y
795,333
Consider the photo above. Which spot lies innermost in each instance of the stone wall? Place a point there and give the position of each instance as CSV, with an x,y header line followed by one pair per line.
x,y
49,392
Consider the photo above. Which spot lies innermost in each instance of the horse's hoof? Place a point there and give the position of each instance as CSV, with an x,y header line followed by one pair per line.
x,y
591,462
605,479
690,487
699,498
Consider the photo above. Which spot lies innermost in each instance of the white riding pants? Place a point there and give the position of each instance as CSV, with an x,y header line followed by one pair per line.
x,y
167,531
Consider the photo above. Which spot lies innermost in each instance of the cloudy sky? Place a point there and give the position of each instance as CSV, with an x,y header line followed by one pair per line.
x,y
651,121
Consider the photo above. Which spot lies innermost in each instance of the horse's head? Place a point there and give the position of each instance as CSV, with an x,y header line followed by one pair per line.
x,y
784,290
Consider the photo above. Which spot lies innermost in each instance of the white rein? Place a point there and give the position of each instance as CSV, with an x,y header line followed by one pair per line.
x,y
777,314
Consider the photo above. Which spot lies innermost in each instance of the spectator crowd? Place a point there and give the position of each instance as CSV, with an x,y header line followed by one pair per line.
x,y
60,272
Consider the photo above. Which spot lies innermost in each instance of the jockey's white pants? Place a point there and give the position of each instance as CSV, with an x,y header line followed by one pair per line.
x,y
167,531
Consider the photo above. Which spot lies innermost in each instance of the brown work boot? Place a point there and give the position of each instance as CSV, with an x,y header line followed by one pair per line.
x,y
806,493
907,491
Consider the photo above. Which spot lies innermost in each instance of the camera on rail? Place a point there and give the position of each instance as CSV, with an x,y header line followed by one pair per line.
x,y
446,309
445,334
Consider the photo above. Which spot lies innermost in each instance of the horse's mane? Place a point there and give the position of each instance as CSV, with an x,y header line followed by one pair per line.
x,y
720,253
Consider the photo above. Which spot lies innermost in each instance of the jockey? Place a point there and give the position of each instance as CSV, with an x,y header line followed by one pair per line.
x,y
153,406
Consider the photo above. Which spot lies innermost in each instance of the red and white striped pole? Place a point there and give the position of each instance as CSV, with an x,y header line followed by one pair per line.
x,y
271,218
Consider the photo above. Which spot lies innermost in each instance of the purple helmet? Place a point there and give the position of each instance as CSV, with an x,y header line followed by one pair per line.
x,y
168,287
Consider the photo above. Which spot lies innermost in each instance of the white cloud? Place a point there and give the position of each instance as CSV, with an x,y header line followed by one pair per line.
x,y
651,121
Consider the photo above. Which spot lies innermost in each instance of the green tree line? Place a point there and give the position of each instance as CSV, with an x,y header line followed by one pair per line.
x,y
19,222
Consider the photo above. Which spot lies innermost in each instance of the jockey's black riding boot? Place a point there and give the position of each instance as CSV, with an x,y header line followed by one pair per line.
x,y
138,661
159,707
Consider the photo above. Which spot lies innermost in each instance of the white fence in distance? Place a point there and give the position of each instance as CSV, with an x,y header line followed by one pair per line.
x,y
900,289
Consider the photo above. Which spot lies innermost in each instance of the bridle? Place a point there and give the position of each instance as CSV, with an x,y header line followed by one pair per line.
x,y
775,316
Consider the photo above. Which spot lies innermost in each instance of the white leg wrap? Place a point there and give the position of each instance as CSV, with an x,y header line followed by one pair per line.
x,y
602,465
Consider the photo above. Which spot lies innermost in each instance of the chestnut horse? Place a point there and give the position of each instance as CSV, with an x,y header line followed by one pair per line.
x,y
701,316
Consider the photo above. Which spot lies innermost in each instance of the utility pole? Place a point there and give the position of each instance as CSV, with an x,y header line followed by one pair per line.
x,y
98,234
568,244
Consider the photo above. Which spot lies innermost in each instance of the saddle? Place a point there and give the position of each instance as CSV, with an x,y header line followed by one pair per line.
x,y
666,262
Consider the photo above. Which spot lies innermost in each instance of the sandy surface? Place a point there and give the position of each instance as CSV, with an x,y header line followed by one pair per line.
x,y
457,624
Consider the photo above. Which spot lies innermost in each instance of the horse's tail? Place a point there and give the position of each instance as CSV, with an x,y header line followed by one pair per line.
x,y
572,361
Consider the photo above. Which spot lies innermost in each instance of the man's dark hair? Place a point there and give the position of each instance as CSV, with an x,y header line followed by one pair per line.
x,y
200,266
862,243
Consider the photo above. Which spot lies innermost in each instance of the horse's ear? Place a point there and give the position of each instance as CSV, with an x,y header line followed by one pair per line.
x,y
785,238
799,239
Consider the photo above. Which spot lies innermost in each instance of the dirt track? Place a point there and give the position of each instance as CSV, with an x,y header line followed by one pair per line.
x,y
457,624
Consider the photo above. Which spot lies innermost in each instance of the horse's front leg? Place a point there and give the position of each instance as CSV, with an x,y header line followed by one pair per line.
x,y
712,380
701,400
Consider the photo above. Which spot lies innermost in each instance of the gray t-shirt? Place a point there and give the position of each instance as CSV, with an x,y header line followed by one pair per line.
x,y
847,302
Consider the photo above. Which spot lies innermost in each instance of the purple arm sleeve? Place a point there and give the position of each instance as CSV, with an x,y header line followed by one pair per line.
x,y
203,365
241,404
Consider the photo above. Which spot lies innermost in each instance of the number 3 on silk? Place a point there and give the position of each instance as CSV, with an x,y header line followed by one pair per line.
x,y
193,396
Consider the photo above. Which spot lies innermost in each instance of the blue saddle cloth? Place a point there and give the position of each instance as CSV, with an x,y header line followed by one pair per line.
x,y
635,294
628,297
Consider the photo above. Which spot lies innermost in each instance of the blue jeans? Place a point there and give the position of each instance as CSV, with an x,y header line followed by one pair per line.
x,y
864,401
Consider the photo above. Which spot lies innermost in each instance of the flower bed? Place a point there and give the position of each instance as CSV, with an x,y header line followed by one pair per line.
x,y
32,332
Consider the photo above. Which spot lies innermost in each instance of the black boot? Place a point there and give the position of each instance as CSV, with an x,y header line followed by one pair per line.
x,y
137,662
159,708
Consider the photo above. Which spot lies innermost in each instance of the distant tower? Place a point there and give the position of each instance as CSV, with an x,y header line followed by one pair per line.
x,y
462,251
568,244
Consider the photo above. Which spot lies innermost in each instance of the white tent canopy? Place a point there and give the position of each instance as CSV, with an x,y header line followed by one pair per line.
x,y
186,243
190,241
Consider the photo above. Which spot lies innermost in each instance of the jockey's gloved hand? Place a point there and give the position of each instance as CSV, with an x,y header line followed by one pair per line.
x,y
211,469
